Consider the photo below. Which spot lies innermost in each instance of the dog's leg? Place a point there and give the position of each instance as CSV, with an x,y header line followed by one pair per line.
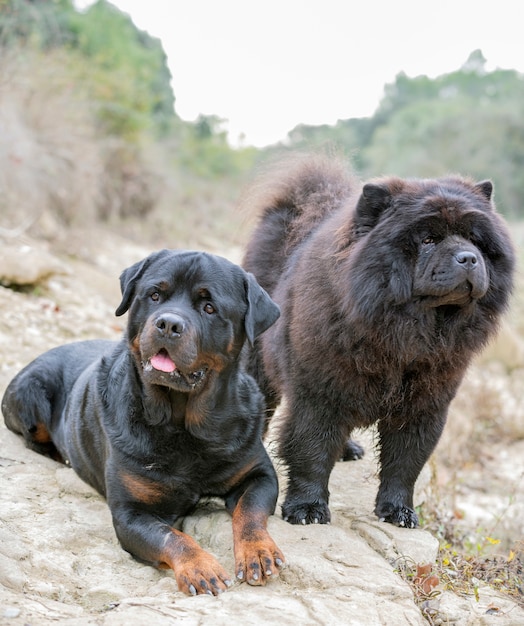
x,y
27,412
403,453
310,444
257,557
150,540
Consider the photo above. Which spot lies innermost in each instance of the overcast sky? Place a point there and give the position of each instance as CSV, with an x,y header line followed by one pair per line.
x,y
268,65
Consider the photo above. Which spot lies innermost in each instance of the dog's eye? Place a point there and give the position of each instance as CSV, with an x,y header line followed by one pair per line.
x,y
209,308
428,240
155,296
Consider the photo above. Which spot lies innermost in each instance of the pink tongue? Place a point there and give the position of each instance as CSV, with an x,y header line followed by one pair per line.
x,y
162,361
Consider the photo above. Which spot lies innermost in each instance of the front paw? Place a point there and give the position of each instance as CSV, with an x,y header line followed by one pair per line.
x,y
258,559
306,512
201,573
397,515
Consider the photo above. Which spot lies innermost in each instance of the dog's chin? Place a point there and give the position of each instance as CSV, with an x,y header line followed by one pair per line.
x,y
461,296
172,377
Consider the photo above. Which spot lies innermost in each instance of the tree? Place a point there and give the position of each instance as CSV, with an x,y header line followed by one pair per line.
x,y
469,121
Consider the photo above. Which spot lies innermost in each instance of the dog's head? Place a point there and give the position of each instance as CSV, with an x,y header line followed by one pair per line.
x,y
440,242
190,314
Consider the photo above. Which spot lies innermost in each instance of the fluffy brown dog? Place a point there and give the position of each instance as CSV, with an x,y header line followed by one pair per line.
x,y
386,292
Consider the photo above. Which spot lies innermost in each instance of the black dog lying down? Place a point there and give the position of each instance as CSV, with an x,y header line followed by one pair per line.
x,y
166,416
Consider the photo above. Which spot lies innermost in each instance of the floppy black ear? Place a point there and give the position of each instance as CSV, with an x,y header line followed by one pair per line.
x,y
261,313
129,277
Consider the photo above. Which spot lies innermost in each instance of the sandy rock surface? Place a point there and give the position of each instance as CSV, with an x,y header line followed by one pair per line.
x,y
60,562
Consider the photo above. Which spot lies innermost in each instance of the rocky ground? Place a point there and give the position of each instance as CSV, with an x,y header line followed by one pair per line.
x,y
60,562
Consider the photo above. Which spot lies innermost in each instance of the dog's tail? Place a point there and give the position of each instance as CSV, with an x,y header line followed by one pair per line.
x,y
290,199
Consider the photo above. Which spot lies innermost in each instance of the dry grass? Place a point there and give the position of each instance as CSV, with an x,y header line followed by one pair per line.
x,y
48,155
464,575
54,161
57,171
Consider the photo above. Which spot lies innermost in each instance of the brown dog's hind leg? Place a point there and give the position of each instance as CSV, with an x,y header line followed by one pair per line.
x,y
27,412
352,451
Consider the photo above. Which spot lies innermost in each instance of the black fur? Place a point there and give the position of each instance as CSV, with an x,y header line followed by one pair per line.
x,y
386,290
166,416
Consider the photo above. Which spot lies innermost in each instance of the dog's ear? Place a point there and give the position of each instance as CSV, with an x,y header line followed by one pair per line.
x,y
261,312
372,202
129,278
485,187
376,197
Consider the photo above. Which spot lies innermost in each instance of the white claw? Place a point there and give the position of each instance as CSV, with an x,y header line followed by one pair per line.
x,y
303,521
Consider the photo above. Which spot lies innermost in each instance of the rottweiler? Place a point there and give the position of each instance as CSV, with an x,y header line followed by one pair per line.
x,y
166,416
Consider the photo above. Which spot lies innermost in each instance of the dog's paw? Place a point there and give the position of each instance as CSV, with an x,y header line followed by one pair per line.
x,y
397,515
352,451
306,513
201,574
259,560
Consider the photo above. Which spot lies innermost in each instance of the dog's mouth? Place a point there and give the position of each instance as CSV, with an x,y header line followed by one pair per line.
x,y
461,296
162,362
169,374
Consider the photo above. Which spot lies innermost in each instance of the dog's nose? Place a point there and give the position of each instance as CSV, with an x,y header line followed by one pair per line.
x,y
170,325
466,258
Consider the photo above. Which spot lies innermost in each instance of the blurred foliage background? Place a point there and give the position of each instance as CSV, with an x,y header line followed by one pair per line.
x,y
89,131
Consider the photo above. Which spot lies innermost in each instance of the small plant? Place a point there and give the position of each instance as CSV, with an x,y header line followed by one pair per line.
x,y
462,572
464,563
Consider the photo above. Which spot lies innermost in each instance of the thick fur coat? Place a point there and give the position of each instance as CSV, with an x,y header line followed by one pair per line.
x,y
386,291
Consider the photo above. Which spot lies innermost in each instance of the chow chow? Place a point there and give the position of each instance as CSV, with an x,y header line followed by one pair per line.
x,y
386,291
